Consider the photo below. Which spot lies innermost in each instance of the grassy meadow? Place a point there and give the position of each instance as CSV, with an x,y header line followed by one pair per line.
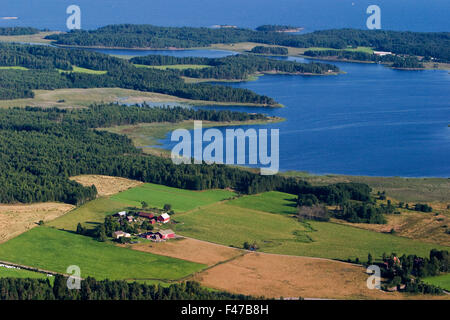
x,y
181,200
14,68
358,49
20,273
84,70
228,224
29,38
442,281
55,250
89,214
273,202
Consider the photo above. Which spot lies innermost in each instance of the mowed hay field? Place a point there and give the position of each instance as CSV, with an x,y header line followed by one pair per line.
x,y
191,250
55,250
273,202
275,276
232,226
89,215
16,219
106,185
181,200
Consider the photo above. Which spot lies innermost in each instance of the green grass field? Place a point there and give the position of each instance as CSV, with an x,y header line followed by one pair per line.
x,y
273,202
13,68
89,214
358,49
442,281
20,273
175,66
55,250
84,70
181,200
231,225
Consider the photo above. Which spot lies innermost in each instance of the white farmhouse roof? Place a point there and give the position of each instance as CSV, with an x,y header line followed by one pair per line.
x,y
165,216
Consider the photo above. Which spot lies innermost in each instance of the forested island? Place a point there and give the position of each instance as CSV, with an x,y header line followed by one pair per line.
x,y
270,50
402,62
425,44
238,67
18,31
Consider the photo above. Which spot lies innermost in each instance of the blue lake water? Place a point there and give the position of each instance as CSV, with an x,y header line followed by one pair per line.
x,y
372,120
412,15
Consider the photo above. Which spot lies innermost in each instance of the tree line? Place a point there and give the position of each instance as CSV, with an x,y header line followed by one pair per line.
x,y
426,44
91,289
274,28
354,201
18,31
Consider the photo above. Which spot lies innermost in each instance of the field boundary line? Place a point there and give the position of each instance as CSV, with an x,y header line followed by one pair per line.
x,y
276,254
33,269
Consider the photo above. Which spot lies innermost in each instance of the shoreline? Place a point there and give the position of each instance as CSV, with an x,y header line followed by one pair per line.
x,y
121,48
80,97
295,52
441,65
163,130
445,66
146,136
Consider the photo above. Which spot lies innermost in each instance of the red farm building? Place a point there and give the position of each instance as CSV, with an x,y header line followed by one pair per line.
x,y
146,215
166,234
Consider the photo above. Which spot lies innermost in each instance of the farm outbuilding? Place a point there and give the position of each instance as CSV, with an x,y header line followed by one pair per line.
x,y
147,215
120,234
166,234
164,218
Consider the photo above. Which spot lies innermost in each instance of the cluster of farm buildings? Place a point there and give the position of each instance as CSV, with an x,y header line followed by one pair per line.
x,y
160,235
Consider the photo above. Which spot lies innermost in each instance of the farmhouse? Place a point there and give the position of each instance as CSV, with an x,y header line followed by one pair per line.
x,y
146,215
164,218
121,214
166,234
119,234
